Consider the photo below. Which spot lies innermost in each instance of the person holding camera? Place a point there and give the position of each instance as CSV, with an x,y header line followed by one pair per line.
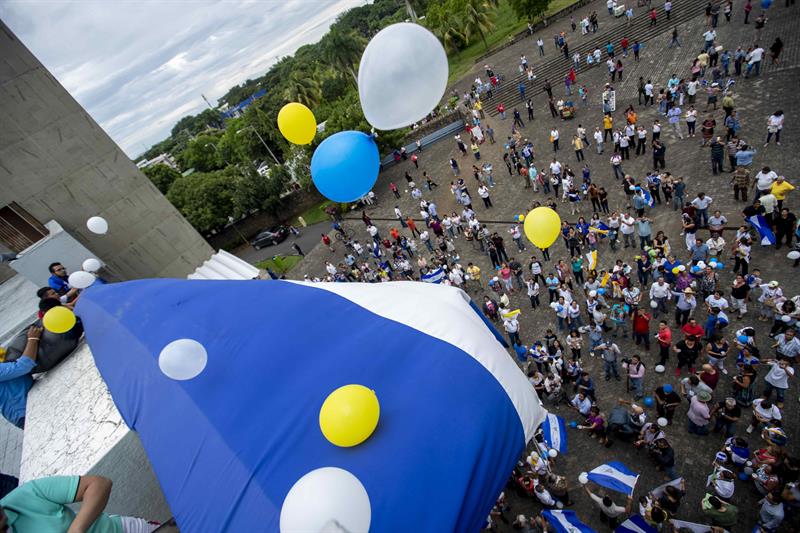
x,y
635,369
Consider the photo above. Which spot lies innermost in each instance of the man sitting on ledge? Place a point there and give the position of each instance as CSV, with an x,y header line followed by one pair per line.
x,y
41,505
16,380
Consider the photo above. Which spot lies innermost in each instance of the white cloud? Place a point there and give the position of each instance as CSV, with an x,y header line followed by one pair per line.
x,y
138,67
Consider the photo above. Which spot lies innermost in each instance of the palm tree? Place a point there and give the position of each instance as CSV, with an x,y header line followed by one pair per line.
x,y
342,50
478,19
445,26
304,88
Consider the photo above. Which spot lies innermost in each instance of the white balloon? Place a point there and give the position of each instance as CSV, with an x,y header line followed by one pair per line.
x,y
81,279
552,452
182,359
662,422
326,499
653,304
92,265
583,478
97,225
786,318
794,254
402,76
660,369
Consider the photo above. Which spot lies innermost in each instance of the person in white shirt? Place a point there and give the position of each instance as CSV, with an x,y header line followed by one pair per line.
x,y
648,93
716,300
555,168
660,293
763,182
543,495
774,127
777,379
627,228
598,140
610,513
554,138
764,412
540,44
701,203
754,61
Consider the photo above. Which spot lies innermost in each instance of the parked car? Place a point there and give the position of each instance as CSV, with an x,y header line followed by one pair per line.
x,y
269,237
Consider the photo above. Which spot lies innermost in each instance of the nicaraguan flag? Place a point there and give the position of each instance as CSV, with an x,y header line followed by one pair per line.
x,y
434,276
763,229
691,526
188,362
566,522
635,524
614,476
554,430
648,198
591,259
601,229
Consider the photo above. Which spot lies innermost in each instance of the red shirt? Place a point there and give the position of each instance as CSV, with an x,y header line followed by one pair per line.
x,y
692,331
326,240
395,234
664,337
641,323
653,14
501,108
709,379
624,42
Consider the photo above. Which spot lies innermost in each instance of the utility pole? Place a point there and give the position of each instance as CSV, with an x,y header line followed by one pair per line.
x,y
262,142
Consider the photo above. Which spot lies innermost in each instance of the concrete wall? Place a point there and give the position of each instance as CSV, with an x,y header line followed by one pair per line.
x,y
57,163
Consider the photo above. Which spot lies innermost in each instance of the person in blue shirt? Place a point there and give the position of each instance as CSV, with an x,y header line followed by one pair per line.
x,y
58,280
16,381
744,157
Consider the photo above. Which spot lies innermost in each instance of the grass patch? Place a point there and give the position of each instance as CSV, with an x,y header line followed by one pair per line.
x,y
316,214
281,264
506,25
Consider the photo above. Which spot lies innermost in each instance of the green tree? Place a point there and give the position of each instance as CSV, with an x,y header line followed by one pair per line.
x,y
342,50
162,176
529,9
204,198
253,192
446,26
202,154
477,19
304,87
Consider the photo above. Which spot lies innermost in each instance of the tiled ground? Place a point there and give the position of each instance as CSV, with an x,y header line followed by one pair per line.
x,y
755,100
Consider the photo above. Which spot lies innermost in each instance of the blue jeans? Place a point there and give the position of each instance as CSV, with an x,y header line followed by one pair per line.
x,y
697,430
638,387
610,367
730,427
701,217
561,323
768,388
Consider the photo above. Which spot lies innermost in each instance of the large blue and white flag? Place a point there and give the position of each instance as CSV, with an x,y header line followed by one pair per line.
x,y
648,198
187,363
614,476
555,433
566,522
763,229
433,276
635,524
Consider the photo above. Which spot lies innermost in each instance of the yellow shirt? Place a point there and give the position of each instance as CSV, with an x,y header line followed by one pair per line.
x,y
474,272
578,144
478,105
779,190
607,121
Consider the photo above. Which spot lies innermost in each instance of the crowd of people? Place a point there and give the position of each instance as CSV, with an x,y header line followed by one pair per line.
x,y
676,301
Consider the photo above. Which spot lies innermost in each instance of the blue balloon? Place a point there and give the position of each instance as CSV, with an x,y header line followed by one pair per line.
x,y
743,476
695,269
601,291
648,401
719,266
573,424
742,339
765,4
345,166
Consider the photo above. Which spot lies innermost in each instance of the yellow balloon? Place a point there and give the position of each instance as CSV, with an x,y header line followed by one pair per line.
x,y
349,415
542,226
59,320
297,123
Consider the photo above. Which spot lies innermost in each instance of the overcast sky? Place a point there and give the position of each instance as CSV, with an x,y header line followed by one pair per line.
x,y
139,66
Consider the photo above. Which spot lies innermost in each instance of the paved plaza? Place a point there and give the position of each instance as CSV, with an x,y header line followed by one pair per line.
x,y
755,98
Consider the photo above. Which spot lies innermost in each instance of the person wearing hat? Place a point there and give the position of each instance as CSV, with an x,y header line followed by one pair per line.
x,y
770,294
728,414
699,414
685,305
